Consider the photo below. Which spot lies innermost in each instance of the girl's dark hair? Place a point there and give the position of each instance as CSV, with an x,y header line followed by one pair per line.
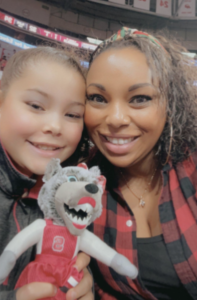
x,y
21,60
175,74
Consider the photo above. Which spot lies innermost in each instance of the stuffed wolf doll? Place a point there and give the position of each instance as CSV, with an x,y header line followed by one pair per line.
x,y
70,200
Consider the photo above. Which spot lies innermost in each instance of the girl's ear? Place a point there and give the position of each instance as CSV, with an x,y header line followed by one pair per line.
x,y
52,168
1,98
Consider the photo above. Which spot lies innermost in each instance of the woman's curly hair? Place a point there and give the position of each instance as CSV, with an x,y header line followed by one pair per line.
x,y
175,74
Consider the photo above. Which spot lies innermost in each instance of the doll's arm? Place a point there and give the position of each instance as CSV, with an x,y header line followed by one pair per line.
x,y
95,247
19,244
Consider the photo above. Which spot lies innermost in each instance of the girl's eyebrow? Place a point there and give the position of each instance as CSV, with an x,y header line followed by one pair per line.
x,y
38,91
76,103
46,95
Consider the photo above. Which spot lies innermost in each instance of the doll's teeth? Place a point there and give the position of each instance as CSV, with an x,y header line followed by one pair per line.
x,y
75,219
80,214
85,207
79,219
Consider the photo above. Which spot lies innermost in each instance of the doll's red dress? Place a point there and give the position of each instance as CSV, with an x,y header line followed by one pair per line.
x,y
55,263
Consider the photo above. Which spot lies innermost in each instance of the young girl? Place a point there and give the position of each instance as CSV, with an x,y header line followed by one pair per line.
x,y
141,114
41,117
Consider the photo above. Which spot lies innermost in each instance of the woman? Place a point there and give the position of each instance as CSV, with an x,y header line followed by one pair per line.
x,y
141,114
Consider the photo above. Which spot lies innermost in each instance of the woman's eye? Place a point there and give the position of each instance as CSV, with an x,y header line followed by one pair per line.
x,y
72,178
96,98
140,99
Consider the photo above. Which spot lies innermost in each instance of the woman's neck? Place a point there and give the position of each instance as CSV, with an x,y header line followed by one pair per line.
x,y
142,169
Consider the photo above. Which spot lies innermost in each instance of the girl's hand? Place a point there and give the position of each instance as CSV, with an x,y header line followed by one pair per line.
x,y
83,290
36,290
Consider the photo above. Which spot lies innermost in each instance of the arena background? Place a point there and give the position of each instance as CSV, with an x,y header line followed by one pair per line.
x,y
82,24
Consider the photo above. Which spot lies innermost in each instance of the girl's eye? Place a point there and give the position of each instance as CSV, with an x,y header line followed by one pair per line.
x,y
140,99
73,116
96,98
72,178
35,106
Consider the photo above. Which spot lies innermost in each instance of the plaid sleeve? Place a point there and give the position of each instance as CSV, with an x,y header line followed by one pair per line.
x,y
178,215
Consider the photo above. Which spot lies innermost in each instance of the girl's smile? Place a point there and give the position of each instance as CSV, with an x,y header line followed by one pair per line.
x,y
46,150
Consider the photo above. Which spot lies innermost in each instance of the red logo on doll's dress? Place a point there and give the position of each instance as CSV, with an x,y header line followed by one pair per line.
x,y
58,243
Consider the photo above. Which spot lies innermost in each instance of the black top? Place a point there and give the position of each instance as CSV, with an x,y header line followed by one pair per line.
x,y
156,270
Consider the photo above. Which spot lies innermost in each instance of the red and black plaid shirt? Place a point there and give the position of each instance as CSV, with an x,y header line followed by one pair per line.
x,y
178,216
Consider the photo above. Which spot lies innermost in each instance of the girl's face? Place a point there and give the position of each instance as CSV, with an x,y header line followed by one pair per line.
x,y
123,114
41,116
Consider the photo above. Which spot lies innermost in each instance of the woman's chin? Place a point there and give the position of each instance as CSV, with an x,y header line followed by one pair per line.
x,y
120,161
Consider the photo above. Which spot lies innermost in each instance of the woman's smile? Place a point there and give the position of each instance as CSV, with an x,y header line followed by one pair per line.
x,y
123,115
119,140
118,145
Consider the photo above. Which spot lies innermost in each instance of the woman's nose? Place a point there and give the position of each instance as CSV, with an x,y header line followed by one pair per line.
x,y
117,115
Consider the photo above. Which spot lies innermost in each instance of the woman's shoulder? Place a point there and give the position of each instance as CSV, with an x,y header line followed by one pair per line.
x,y
194,157
191,161
186,170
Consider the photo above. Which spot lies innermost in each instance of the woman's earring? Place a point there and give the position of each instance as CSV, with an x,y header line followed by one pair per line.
x,y
158,150
170,146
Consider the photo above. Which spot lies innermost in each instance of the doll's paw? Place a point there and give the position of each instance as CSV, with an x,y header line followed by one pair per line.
x,y
123,266
7,262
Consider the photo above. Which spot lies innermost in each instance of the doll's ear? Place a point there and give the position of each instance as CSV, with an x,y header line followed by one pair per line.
x,y
102,182
52,168
82,165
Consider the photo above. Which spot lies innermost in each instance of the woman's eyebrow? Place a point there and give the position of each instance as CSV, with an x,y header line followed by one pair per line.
x,y
140,85
131,88
100,86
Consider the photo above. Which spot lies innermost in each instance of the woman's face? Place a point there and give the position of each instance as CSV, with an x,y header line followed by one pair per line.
x,y
123,115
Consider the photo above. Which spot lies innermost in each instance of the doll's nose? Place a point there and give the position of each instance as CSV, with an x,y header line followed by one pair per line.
x,y
91,188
